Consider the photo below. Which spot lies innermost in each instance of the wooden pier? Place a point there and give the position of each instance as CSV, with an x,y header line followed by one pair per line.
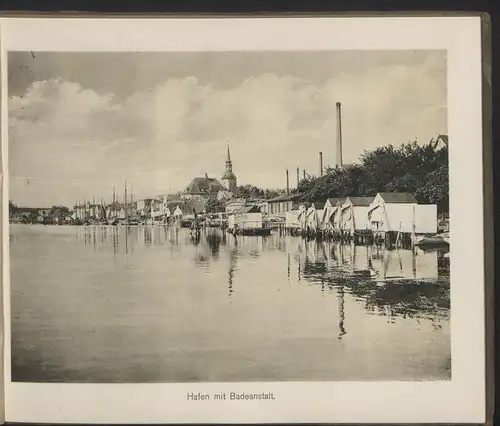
x,y
363,237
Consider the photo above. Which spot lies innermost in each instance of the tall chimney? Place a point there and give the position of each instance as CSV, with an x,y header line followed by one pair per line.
x,y
298,177
304,171
320,164
287,183
339,135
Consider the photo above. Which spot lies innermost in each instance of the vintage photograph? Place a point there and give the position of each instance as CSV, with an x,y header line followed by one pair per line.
x,y
232,216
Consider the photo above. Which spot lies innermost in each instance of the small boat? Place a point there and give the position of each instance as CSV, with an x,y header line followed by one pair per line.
x,y
251,231
432,241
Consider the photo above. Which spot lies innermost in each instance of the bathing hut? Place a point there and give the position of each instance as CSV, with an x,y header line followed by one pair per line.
x,y
354,215
247,221
302,216
174,212
314,216
393,214
332,213
292,220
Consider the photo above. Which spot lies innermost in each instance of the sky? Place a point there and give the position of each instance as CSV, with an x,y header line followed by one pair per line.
x,y
83,122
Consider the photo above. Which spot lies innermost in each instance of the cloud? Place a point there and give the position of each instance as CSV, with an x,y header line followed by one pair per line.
x,y
161,137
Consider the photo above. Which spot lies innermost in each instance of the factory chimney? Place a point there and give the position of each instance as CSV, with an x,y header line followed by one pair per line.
x,y
304,171
287,183
320,164
339,135
298,178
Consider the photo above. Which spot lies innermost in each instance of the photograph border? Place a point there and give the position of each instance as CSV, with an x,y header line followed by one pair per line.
x,y
152,403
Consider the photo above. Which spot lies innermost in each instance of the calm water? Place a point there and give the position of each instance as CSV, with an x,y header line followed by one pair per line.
x,y
151,305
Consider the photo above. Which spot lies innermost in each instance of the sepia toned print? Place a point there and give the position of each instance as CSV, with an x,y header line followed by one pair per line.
x,y
229,217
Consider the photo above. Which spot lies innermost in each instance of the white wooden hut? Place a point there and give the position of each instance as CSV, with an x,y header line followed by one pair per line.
x,y
174,210
302,216
332,213
400,212
248,217
314,216
354,213
157,209
292,220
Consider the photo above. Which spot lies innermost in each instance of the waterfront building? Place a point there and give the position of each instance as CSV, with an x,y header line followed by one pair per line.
x,y
157,209
292,218
282,204
174,210
143,207
235,205
400,212
314,216
354,214
187,209
247,217
205,187
332,213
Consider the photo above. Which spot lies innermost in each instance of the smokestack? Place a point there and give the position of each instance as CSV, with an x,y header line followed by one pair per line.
x,y
320,164
304,171
339,135
298,177
287,184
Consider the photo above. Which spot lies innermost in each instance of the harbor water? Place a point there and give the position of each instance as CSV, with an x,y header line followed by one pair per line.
x,y
153,304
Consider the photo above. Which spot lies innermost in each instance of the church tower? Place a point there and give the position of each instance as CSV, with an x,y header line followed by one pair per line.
x,y
229,178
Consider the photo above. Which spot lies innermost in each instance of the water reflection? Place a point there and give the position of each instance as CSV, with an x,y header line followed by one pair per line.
x,y
407,283
309,309
341,298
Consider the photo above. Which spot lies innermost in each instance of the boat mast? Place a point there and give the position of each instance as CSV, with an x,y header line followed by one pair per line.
x,y
126,205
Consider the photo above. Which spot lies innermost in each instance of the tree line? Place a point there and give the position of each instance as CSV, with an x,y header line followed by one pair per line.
x,y
420,170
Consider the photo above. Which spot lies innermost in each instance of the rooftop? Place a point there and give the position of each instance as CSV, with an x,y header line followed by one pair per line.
x,y
248,209
204,185
360,201
398,197
335,201
284,198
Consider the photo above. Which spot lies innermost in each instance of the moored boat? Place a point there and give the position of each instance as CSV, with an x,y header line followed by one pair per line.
x,y
251,231
432,240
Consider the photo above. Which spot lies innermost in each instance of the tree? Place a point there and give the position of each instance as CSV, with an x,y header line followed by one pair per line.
x,y
33,216
273,193
421,170
435,190
250,191
65,210
12,208
214,205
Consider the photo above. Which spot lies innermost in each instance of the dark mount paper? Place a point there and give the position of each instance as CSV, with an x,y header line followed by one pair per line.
x,y
243,220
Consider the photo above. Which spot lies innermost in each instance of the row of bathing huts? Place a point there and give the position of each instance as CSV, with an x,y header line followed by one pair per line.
x,y
389,218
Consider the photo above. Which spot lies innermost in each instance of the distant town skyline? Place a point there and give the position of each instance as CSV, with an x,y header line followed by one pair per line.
x,y
81,123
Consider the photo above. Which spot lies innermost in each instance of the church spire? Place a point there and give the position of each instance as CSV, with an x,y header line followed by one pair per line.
x,y
229,178
229,164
